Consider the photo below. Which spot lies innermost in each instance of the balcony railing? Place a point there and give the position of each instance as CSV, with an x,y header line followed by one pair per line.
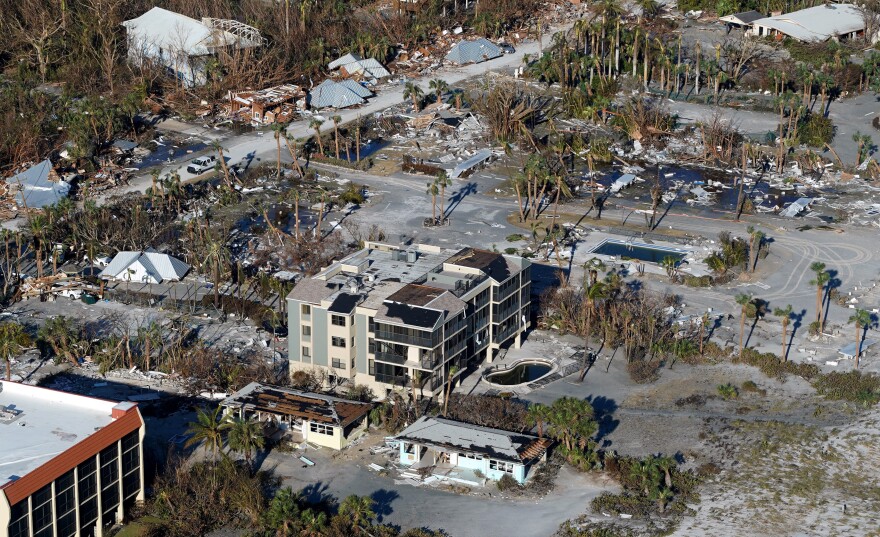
x,y
398,380
387,335
389,357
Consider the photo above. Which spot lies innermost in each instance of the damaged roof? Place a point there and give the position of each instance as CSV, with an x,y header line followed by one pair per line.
x,y
162,29
332,94
476,51
818,23
449,435
37,190
309,406
493,264
424,318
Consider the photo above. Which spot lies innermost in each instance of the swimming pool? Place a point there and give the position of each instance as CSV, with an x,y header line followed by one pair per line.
x,y
521,373
636,250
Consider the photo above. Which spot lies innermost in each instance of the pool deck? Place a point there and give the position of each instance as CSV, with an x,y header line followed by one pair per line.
x,y
692,261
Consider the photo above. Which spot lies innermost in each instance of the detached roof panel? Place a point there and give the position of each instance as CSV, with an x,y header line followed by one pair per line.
x,y
330,94
343,60
475,51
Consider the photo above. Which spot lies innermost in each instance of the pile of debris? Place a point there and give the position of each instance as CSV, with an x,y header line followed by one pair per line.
x,y
36,187
278,104
352,66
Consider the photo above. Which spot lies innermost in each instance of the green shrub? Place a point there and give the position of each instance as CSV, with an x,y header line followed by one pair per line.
x,y
515,237
728,391
510,251
816,131
698,281
850,386
773,367
353,194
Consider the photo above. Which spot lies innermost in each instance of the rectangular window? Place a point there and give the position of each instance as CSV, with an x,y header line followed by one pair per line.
x,y
338,342
307,330
371,367
337,320
306,352
371,346
501,466
306,309
320,428
65,501
371,324
41,504
88,514
67,525
338,364
18,520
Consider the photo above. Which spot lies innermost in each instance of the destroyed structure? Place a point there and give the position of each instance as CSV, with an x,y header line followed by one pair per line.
x,y
448,447
278,104
476,51
183,44
353,66
71,464
388,315
36,187
305,416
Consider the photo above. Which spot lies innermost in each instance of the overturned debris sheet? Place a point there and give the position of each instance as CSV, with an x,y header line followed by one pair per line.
x,y
468,166
39,185
796,207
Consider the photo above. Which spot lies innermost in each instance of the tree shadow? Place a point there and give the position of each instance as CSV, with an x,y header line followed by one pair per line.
x,y
761,308
382,500
716,324
833,283
316,494
665,211
456,198
798,319
603,411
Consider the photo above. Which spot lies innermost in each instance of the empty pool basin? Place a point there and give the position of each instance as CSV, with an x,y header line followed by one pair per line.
x,y
521,372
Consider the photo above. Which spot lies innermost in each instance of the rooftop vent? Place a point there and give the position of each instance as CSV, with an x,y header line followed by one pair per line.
x,y
411,256
8,414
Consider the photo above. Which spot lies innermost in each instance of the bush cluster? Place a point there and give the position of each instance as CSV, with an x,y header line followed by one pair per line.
x,y
773,367
850,386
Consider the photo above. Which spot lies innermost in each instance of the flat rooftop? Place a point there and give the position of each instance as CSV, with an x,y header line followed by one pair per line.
x,y
37,424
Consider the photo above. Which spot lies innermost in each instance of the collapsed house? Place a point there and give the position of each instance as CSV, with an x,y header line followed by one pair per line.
x,y
814,25
353,66
182,44
476,51
311,417
148,266
38,186
278,104
342,94
741,20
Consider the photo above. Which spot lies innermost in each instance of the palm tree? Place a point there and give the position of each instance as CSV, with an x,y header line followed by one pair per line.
x,y
820,281
39,226
284,512
646,472
443,181
207,429
13,340
278,129
453,370
756,240
861,319
336,119
784,315
666,464
412,91
315,125
290,140
864,143
669,263
594,292
650,8
216,258
439,87
244,436
313,523
359,511
745,301
539,415
433,191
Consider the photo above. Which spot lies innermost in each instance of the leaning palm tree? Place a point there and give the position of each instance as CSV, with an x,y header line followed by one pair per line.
x,y
244,436
315,125
593,293
207,430
439,87
453,370
412,91
864,142
784,315
820,281
13,340
290,140
861,319
745,302
218,147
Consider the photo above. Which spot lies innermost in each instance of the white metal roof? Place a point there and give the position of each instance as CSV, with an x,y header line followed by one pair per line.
x,y
475,51
161,267
496,443
36,424
168,30
331,94
817,23
478,158
343,60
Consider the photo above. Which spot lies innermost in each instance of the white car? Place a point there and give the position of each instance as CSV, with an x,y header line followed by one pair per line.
x,y
202,164
73,294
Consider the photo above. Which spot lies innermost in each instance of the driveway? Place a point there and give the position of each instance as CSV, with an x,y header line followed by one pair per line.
x,y
460,515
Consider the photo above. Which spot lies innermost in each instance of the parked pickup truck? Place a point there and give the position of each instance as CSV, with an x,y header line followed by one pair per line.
x,y
202,164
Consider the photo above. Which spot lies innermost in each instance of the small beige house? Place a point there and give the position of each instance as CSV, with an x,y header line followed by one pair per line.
x,y
311,417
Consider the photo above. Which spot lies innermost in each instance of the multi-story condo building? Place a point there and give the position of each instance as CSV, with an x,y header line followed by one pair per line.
x,y
71,465
389,316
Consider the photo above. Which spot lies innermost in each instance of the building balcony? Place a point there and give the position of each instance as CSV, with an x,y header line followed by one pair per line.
x,y
397,380
386,335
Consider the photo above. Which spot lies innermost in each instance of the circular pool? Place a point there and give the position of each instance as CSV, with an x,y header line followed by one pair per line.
x,y
522,372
